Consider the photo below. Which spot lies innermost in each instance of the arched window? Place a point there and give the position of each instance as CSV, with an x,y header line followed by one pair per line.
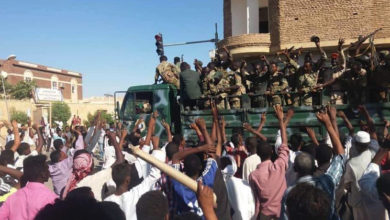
x,y
28,76
54,82
73,88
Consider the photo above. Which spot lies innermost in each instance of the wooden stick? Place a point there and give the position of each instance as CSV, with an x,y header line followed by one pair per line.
x,y
170,171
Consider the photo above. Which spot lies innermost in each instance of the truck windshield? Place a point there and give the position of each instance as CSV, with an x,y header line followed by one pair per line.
x,y
137,103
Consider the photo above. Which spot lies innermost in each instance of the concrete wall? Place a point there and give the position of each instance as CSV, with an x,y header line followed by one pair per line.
x,y
239,19
252,16
81,109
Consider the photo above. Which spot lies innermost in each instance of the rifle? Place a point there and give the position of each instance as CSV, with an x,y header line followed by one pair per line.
x,y
361,40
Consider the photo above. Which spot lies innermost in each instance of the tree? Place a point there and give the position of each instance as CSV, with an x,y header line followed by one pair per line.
x,y
19,116
22,90
60,112
106,117
7,87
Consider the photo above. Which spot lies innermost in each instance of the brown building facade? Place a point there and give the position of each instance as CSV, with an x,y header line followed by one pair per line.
x,y
253,27
70,83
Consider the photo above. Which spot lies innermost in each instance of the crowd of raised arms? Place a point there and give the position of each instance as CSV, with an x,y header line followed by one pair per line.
x,y
352,74
339,176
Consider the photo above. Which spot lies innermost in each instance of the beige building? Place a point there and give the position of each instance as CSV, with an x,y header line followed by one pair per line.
x,y
253,27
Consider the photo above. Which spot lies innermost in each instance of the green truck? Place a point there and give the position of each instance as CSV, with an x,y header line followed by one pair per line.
x,y
140,101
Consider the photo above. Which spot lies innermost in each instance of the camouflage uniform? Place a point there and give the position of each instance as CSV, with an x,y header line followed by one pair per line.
x,y
306,82
206,82
291,73
168,73
235,80
277,83
217,90
259,85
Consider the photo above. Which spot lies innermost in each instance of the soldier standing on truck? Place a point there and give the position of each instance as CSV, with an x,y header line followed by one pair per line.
x,y
235,82
309,73
177,63
259,84
168,72
207,78
276,85
223,60
190,90
218,89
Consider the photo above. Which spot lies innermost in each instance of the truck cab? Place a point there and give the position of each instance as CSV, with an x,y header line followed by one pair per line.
x,y
141,101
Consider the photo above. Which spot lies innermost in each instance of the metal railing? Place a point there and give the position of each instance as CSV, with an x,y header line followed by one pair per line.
x,y
320,95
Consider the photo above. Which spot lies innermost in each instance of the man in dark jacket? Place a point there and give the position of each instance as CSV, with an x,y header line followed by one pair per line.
x,y
189,85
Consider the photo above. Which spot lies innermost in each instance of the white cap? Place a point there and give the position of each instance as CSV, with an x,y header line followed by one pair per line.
x,y
362,137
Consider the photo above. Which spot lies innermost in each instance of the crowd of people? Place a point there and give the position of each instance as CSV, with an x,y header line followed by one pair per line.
x,y
352,74
341,176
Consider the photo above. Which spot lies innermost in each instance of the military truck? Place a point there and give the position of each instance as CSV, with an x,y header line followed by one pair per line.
x,y
140,101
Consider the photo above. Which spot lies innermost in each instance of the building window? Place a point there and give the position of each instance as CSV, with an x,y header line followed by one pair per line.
x,y
54,82
28,76
73,89
54,85
263,20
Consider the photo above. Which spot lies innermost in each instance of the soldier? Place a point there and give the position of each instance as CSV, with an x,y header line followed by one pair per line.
x,y
189,86
355,81
307,83
308,74
177,63
259,81
168,72
198,66
223,60
218,89
277,84
333,74
291,73
236,86
381,76
207,78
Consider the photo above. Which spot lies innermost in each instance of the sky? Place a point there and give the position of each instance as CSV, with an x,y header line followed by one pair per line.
x,y
111,42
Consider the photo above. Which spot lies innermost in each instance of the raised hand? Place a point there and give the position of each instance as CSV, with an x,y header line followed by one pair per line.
x,y
222,122
111,136
310,131
247,126
35,127
124,132
200,122
331,111
205,197
279,112
165,125
341,114
290,112
214,110
155,114
208,149
387,124
193,126
323,117
264,116
14,124
341,43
